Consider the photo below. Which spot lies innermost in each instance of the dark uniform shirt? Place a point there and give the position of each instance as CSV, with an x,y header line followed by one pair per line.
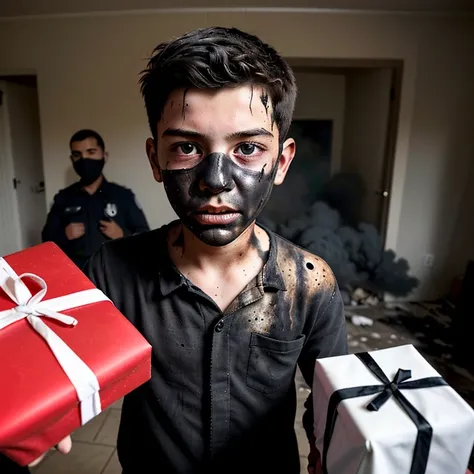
x,y
75,205
222,395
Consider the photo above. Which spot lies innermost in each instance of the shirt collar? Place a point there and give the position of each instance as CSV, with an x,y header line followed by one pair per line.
x,y
170,278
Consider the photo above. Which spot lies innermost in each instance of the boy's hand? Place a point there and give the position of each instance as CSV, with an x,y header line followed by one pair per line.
x,y
63,447
111,229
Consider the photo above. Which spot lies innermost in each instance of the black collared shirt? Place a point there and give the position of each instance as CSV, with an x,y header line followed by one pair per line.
x,y
74,204
222,395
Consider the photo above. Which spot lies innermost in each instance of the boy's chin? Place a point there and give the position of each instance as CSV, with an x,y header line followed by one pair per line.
x,y
218,236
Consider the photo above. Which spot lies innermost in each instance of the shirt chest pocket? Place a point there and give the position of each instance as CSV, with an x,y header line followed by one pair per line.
x,y
272,363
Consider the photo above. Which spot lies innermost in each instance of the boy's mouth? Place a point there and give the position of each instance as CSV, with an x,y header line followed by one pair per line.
x,y
211,215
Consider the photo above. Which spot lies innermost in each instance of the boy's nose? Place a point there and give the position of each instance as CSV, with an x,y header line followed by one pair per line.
x,y
216,174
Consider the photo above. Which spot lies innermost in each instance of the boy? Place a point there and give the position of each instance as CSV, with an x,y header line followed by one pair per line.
x,y
229,308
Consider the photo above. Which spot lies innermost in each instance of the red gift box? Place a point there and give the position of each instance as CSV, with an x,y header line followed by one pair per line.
x,y
39,403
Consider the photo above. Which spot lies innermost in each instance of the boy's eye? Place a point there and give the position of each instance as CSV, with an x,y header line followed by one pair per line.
x,y
247,148
188,149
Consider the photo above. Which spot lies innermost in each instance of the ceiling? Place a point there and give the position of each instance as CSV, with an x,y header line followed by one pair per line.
x,y
14,8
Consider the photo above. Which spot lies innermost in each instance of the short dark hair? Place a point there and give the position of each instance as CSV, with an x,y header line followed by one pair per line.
x,y
84,134
211,58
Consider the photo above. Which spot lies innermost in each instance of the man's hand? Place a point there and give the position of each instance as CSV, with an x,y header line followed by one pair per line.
x,y
111,229
75,230
63,447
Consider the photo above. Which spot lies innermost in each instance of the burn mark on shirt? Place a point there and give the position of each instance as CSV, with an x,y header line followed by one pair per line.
x,y
255,243
306,278
258,320
305,275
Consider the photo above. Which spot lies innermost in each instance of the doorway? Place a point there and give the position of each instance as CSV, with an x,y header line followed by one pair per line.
x,y
23,207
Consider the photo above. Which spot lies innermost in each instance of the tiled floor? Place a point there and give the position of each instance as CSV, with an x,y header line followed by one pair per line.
x,y
94,450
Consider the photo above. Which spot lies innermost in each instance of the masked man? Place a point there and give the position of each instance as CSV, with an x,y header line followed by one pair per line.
x,y
92,210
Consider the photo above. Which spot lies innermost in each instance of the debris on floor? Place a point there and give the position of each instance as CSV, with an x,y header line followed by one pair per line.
x,y
358,320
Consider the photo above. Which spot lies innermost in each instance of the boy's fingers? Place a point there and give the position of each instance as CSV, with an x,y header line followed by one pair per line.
x,y
37,461
65,445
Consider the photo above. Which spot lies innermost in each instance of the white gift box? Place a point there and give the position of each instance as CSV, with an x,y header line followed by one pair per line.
x,y
386,440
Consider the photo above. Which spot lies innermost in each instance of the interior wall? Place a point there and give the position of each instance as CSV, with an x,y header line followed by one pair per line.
x,y
26,151
437,201
88,69
322,97
365,132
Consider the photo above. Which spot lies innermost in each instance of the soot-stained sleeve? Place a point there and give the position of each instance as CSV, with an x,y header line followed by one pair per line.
x,y
327,338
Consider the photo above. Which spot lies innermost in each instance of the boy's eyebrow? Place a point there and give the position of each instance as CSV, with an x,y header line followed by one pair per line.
x,y
181,132
254,132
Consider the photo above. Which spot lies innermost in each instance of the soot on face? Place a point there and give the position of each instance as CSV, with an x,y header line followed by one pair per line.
x,y
241,191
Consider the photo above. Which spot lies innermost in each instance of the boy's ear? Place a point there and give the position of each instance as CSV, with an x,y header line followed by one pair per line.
x,y
286,157
153,159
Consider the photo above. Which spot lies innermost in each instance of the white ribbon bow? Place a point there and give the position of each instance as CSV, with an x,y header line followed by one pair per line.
x,y
33,308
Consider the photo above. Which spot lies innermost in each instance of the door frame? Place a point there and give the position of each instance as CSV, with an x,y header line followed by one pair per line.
x,y
337,66
10,207
391,145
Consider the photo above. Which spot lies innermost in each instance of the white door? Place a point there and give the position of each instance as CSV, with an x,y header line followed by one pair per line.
x,y
9,219
28,160
26,174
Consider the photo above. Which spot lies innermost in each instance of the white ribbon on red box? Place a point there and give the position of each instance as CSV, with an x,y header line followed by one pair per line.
x,y
33,308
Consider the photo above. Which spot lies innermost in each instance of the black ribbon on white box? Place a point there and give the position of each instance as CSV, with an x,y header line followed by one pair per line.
x,y
385,392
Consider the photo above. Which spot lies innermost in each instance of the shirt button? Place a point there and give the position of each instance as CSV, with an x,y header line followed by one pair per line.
x,y
219,326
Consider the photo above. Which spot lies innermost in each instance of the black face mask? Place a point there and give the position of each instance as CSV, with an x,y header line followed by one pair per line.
x,y
88,169
245,191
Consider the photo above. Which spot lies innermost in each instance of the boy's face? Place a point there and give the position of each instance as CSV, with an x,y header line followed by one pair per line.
x,y
218,155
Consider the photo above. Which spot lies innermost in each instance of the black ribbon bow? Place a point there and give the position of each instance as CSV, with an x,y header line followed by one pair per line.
x,y
388,389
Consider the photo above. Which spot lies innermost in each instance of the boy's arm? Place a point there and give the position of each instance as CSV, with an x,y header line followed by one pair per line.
x,y
327,338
